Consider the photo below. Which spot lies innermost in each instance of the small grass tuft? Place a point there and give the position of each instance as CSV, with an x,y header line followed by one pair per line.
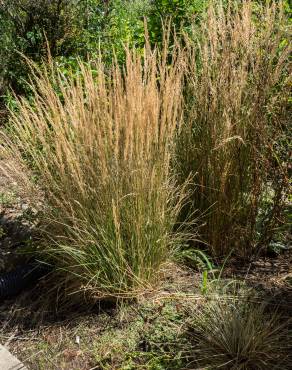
x,y
238,334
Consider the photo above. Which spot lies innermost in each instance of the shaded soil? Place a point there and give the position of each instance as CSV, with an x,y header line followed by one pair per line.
x,y
270,276
16,223
134,335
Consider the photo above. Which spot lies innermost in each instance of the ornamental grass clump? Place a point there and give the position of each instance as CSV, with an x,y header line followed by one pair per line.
x,y
236,333
97,147
236,122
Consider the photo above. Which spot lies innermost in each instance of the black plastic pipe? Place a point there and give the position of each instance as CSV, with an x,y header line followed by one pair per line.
x,y
12,283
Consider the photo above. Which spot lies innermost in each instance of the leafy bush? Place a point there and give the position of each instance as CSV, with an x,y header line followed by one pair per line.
x,y
236,118
183,14
79,29
100,154
29,27
125,27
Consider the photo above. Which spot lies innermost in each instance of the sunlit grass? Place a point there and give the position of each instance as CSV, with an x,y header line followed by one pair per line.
x,y
99,148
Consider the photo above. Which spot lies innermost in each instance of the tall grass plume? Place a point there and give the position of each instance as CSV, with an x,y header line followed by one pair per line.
x,y
236,121
98,147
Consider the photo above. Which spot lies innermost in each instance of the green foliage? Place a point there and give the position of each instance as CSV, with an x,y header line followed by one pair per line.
x,y
182,13
80,29
7,198
30,26
125,26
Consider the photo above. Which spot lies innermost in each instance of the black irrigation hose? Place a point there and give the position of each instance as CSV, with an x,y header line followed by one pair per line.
x,y
12,283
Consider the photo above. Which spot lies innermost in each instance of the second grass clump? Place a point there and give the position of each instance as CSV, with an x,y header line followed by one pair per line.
x,y
236,120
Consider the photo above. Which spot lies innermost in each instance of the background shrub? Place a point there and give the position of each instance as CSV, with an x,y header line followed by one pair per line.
x,y
29,27
182,13
79,29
